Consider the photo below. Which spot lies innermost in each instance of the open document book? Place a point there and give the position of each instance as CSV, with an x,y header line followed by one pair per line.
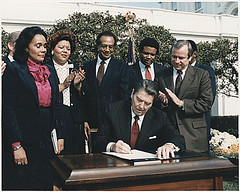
x,y
138,157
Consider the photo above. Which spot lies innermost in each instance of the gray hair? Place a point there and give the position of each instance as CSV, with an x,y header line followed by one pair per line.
x,y
178,44
13,37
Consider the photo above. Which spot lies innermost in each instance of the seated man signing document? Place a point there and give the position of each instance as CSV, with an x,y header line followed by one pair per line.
x,y
135,124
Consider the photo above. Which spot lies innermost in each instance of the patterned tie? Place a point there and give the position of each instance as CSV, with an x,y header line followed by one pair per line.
x,y
178,82
100,73
148,74
135,132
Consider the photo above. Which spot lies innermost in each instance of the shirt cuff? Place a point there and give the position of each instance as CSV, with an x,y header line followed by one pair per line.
x,y
109,146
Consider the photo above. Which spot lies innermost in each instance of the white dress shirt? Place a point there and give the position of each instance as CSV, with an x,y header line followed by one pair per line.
x,y
140,120
10,58
143,70
99,63
175,74
194,63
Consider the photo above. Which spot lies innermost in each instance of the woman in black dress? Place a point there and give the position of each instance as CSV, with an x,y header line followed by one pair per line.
x,y
61,46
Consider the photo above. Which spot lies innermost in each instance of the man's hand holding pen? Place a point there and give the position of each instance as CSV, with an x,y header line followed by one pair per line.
x,y
121,147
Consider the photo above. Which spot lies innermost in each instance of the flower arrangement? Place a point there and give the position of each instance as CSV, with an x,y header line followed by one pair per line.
x,y
223,144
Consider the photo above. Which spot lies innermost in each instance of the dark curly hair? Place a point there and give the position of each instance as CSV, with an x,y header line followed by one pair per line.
x,y
59,36
149,42
26,36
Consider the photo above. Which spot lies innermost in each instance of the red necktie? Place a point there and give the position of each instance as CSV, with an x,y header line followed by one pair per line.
x,y
148,74
100,73
135,132
178,82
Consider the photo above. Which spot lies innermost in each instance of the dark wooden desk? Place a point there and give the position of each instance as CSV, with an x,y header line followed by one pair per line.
x,y
101,172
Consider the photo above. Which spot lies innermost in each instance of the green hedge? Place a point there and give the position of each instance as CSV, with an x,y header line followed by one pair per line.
x,y
225,123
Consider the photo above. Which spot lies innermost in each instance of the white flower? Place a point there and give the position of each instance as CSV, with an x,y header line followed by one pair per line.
x,y
222,140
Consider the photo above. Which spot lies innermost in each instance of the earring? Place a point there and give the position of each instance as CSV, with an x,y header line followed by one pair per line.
x,y
52,52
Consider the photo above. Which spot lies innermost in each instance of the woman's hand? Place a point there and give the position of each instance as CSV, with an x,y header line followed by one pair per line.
x,y
20,157
60,144
3,67
67,82
80,76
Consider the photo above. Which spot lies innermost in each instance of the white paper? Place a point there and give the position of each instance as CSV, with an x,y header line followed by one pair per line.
x,y
136,154
54,140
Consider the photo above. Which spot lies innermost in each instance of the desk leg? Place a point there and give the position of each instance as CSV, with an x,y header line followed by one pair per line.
x,y
218,184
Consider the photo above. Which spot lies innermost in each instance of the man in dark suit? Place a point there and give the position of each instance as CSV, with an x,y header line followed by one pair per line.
x,y
210,71
135,124
11,46
107,80
187,95
146,68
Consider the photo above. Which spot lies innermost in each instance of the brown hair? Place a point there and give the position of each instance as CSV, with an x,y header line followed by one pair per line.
x,y
59,36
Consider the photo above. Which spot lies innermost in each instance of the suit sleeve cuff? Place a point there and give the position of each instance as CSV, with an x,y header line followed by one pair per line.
x,y
15,144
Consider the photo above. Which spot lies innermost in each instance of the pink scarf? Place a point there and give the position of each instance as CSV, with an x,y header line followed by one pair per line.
x,y
41,74
38,71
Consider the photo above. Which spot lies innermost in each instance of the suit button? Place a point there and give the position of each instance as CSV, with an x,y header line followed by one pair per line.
x,y
71,104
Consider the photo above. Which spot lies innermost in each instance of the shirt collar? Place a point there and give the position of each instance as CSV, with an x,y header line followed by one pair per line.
x,y
144,66
99,60
57,66
194,63
140,117
183,71
10,58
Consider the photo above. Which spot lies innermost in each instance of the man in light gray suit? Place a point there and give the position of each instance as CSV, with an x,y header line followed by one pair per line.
x,y
186,94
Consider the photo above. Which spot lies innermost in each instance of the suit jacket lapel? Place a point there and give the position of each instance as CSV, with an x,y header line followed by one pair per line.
x,y
125,121
53,85
30,82
137,72
188,78
92,79
146,127
110,70
168,78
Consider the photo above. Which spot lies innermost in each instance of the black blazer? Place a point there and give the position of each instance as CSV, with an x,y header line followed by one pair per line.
x,y
6,59
136,75
76,102
155,131
21,105
114,87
